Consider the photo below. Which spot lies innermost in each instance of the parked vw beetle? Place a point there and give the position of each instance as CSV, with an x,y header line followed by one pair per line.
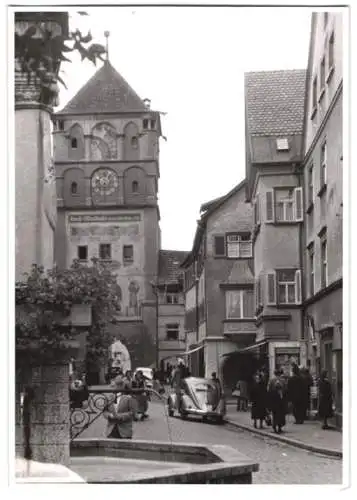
x,y
199,396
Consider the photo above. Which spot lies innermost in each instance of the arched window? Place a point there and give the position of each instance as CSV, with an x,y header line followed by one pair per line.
x,y
134,142
74,188
135,186
74,143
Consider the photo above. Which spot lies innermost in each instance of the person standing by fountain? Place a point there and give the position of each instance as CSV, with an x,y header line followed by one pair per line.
x,y
120,413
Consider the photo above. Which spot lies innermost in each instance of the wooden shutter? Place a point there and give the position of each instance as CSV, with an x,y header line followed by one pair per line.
x,y
298,287
256,289
256,208
270,216
298,205
271,288
219,246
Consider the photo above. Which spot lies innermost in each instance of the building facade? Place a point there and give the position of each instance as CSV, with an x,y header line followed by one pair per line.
x,y
171,308
323,186
106,147
219,288
274,134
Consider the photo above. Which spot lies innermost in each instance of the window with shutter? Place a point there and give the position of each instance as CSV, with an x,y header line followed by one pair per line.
x,y
271,288
270,206
298,210
256,209
298,287
219,246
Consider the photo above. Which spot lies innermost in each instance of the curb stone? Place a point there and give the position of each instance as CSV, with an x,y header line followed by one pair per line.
x,y
283,439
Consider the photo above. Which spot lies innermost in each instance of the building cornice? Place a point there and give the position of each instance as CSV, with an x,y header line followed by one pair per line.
x,y
323,293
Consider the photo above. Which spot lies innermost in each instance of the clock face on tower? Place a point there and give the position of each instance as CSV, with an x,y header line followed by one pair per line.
x,y
104,182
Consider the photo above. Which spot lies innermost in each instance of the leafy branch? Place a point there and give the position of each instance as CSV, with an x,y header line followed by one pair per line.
x,y
39,53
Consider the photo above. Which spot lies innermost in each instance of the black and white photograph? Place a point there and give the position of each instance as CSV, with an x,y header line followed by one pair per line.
x,y
178,244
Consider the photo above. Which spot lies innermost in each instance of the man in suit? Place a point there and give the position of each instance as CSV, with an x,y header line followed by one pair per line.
x,y
120,413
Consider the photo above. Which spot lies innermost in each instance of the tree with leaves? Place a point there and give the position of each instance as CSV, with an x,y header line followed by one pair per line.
x,y
45,300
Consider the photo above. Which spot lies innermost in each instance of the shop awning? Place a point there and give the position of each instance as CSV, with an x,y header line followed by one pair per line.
x,y
194,350
250,348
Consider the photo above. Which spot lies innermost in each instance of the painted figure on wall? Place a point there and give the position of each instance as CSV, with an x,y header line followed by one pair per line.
x,y
133,297
104,142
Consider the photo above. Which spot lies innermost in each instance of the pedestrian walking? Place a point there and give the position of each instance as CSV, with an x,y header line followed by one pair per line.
x,y
308,383
241,393
178,375
258,398
120,413
277,401
297,395
325,399
141,397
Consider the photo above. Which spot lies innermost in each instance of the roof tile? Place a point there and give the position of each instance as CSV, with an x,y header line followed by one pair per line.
x,y
169,265
107,91
275,102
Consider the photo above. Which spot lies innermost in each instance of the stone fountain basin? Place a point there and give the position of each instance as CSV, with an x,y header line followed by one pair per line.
x,y
127,461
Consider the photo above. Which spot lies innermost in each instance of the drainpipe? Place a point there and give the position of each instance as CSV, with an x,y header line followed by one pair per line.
x,y
197,318
300,175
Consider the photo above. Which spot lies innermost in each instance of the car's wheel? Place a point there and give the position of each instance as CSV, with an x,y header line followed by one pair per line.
x,y
220,420
183,414
204,418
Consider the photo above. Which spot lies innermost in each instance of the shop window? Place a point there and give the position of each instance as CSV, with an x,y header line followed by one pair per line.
x,y
239,304
172,331
105,251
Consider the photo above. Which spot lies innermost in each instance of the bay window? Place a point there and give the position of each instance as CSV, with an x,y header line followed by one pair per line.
x,y
239,304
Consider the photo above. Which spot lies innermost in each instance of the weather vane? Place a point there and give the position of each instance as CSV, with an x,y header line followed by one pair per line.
x,y
106,34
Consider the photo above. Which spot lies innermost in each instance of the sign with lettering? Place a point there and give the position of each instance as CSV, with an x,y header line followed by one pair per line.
x,y
105,218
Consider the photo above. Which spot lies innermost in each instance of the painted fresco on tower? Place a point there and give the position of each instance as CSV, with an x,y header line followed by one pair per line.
x,y
104,142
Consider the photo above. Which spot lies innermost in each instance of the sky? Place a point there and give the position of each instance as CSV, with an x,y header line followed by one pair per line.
x,y
190,61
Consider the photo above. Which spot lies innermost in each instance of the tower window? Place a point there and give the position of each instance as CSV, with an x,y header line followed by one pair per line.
x,y
105,251
145,123
61,124
134,142
153,124
82,252
74,188
135,186
74,143
128,253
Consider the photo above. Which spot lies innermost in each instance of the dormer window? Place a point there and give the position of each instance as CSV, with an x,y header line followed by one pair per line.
x,y
74,188
282,144
74,143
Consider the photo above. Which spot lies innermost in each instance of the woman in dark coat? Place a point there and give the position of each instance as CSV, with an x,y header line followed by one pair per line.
x,y
258,398
277,401
325,399
141,398
296,395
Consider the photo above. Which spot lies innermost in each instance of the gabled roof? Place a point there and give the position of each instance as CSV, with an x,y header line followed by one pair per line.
x,y
209,207
106,92
169,265
206,210
275,102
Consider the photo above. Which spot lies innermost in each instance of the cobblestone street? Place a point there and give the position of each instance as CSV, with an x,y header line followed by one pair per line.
x,y
279,463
